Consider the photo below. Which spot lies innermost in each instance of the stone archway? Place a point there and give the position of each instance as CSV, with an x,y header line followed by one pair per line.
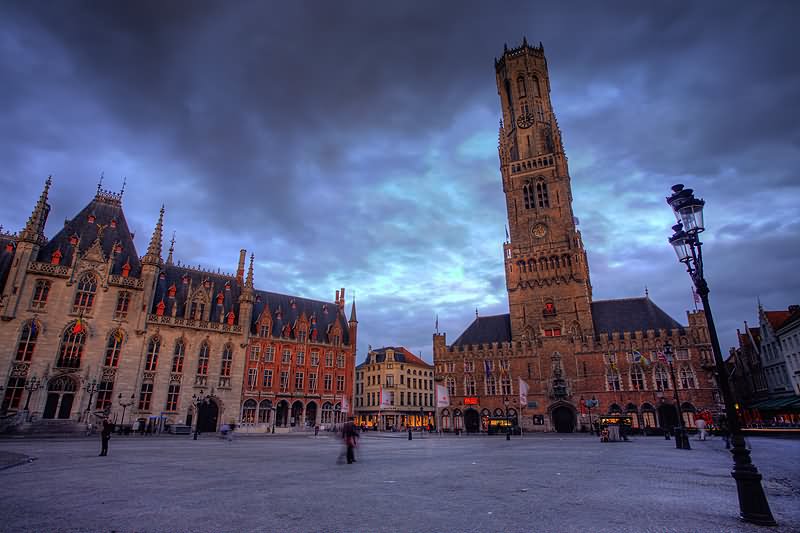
x,y
208,416
667,416
282,414
563,418
297,413
311,414
60,397
472,421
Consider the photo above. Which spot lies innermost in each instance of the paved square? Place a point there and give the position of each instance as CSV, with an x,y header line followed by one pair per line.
x,y
478,483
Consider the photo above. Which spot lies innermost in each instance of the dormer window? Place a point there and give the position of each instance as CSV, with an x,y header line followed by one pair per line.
x,y
55,259
126,269
220,298
91,219
172,290
73,240
113,223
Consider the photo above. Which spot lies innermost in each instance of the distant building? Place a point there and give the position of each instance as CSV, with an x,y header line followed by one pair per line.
x,y
394,388
748,380
776,351
565,347
90,329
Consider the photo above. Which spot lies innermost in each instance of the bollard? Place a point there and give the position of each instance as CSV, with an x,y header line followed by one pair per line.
x,y
409,435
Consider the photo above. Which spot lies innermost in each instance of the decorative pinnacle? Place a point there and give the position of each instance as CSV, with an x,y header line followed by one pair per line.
x,y
249,281
122,190
171,248
353,311
100,183
153,255
34,229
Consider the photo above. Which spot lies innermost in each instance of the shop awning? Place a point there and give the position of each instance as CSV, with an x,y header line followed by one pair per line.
x,y
778,404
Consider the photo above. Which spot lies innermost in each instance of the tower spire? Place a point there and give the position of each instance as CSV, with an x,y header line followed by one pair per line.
x,y
34,229
171,249
153,255
249,280
353,311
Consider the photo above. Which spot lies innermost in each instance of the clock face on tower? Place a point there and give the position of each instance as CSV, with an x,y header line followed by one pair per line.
x,y
539,231
525,121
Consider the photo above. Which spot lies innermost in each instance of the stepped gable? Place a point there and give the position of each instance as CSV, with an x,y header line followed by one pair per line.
x,y
105,208
630,314
290,313
188,281
8,246
401,355
777,319
486,330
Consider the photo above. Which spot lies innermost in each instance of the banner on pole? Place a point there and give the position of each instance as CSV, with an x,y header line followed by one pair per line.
x,y
523,392
442,398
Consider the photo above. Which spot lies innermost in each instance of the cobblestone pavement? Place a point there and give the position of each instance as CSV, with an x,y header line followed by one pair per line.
x,y
543,483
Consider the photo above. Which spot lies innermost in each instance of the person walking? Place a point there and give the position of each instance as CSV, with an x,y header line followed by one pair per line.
x,y
105,436
350,436
725,432
701,428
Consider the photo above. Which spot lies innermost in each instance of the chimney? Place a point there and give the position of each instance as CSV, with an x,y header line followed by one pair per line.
x,y
240,270
337,297
341,301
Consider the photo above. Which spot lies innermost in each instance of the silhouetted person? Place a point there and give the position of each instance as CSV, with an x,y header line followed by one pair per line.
x,y
350,436
105,436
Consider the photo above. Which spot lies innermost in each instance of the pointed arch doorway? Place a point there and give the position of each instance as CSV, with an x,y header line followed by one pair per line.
x,y
60,397
207,417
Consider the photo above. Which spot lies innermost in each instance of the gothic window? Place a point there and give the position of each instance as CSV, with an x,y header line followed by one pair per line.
x,y
249,412
521,86
71,349
312,383
40,292
687,378
535,85
510,105
84,296
27,341
252,377
505,386
123,299
328,382
469,366
227,361
153,348
450,366
637,378
451,386
202,360
299,378
14,389
301,357
177,356
661,377
145,395
266,381
284,381
264,409
612,378
269,354
113,348
287,356
105,397
491,385
340,361
314,358
541,195
527,192
339,383
329,359
197,310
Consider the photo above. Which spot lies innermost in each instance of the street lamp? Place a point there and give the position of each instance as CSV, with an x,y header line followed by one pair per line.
x,y
591,404
124,404
31,385
91,388
753,505
682,438
508,421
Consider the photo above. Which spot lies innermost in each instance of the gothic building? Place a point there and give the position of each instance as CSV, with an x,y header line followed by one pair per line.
x,y
90,328
555,339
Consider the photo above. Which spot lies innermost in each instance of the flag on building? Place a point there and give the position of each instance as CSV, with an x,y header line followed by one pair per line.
x,y
78,327
643,360
487,365
661,357
387,398
442,397
637,356
345,406
523,393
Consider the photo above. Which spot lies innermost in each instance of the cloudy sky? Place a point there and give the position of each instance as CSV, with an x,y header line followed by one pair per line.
x,y
353,144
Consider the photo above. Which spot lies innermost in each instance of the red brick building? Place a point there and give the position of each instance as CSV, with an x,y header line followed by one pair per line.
x,y
565,347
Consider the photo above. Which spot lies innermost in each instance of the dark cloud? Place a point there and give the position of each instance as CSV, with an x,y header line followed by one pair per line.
x,y
355,144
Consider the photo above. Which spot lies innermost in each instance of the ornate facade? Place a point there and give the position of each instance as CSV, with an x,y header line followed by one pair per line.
x,y
89,327
555,339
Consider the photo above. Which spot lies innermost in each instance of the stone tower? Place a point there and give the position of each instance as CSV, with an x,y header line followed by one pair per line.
x,y
547,275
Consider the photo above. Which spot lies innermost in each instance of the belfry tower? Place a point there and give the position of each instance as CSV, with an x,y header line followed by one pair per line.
x,y
547,274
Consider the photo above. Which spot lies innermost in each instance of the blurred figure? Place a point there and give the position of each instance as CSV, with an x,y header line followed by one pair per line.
x,y
701,428
105,436
350,437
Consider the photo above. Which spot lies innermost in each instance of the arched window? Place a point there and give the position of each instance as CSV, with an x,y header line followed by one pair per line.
x,y
633,412
458,420
227,361
612,378
445,416
687,378
264,409
661,377
123,300
177,356
27,341
84,295
327,413
648,416
40,293
197,309
153,348
202,360
71,349
469,386
249,412
614,409
688,412
541,195
535,85
113,348
637,378
527,192
491,385
521,86
451,386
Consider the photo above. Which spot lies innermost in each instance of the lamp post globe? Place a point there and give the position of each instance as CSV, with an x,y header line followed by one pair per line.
x,y
688,211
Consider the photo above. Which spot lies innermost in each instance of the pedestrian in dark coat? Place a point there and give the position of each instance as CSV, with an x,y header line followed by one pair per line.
x,y
350,436
105,436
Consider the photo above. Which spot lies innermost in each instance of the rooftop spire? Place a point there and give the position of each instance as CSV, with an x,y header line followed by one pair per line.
x,y
249,281
353,311
171,248
34,229
153,255
240,268
100,183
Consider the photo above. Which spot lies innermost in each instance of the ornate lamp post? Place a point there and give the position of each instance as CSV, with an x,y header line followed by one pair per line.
x,y
31,386
591,404
682,438
753,505
91,388
124,404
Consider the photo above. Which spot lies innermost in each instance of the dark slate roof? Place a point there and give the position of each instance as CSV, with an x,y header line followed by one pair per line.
x,y
285,309
401,355
486,329
187,281
105,207
630,314
8,246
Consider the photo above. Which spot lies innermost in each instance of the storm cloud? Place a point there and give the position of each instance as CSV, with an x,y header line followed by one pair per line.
x,y
355,143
